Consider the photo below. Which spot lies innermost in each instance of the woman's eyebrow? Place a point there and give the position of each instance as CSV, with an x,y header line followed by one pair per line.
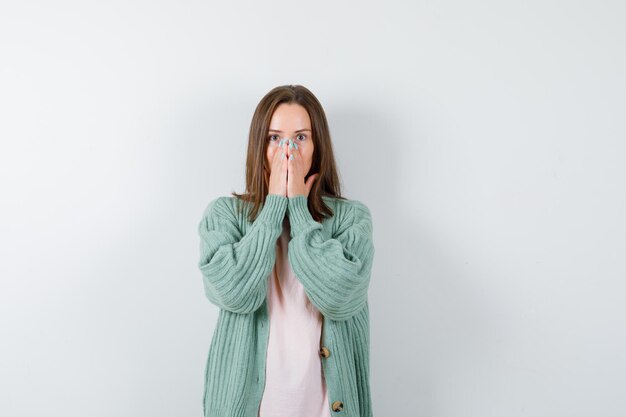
x,y
280,131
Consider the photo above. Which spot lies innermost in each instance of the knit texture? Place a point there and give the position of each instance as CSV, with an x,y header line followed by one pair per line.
x,y
332,259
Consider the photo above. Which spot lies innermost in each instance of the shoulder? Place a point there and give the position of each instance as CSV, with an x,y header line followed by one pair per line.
x,y
352,209
352,213
360,209
221,208
361,217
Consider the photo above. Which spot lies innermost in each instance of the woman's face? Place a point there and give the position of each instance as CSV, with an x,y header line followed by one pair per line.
x,y
291,120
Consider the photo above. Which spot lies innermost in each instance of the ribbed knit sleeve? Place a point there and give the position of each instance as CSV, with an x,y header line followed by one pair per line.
x,y
334,272
235,267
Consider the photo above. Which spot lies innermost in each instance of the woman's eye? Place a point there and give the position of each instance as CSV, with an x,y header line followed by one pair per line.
x,y
303,136
272,136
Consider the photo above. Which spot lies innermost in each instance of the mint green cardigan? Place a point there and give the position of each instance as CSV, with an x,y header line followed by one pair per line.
x,y
333,261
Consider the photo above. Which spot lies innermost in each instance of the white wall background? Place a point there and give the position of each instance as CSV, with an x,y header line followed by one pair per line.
x,y
487,137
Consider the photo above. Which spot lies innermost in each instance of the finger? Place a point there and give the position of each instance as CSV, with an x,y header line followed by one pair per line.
x,y
296,160
293,146
282,161
292,160
277,161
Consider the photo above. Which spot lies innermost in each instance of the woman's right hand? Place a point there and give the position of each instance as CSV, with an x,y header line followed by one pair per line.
x,y
278,176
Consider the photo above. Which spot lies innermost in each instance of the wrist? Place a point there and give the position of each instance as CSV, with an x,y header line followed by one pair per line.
x,y
273,209
298,212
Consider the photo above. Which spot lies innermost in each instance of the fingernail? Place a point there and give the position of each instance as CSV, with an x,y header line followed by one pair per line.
x,y
296,145
282,156
281,142
291,156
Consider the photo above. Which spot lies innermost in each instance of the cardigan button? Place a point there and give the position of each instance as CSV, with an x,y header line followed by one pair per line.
x,y
324,352
337,406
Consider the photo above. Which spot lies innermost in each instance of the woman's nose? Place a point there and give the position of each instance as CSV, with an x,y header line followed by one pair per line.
x,y
289,143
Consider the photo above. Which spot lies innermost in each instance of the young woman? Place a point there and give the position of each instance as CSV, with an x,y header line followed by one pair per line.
x,y
288,263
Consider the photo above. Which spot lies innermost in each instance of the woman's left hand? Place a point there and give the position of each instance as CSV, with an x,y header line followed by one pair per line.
x,y
295,175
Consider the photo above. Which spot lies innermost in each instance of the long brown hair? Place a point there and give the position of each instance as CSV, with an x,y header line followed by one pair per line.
x,y
326,184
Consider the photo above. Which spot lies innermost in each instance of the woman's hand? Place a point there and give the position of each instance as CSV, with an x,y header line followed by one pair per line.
x,y
295,174
278,176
